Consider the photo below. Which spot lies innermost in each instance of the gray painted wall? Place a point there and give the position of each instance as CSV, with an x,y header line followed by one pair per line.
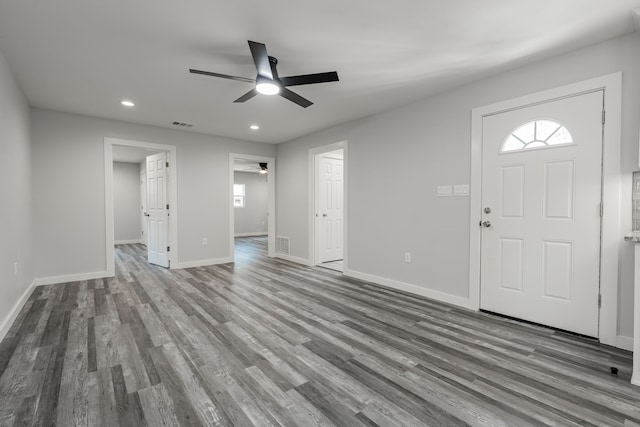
x,y
15,194
68,162
252,219
393,206
126,201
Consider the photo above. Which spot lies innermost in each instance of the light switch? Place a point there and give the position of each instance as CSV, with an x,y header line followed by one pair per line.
x,y
444,191
461,190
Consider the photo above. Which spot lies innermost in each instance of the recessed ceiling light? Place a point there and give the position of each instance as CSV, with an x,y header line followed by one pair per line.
x,y
127,103
254,127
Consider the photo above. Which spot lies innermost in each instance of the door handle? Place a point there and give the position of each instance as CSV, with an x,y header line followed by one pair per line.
x,y
486,224
146,214
324,214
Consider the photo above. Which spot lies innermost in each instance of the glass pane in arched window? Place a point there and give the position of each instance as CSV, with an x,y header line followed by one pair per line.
x,y
536,134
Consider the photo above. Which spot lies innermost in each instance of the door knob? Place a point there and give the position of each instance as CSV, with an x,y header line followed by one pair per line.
x,y
486,224
487,210
324,214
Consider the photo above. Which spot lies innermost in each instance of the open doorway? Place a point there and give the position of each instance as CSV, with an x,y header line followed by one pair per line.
x,y
252,201
143,174
328,225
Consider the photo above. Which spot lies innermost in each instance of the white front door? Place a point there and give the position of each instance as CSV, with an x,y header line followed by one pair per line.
x,y
541,200
330,209
157,210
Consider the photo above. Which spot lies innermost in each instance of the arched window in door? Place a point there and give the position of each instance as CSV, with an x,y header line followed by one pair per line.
x,y
536,134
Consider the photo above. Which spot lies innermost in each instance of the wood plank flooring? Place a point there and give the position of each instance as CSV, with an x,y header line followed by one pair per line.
x,y
266,342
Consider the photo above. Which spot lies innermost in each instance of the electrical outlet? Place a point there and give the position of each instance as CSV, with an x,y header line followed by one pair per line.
x,y
407,257
205,242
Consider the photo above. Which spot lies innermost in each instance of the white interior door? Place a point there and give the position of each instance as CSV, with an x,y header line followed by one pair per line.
x,y
143,206
541,198
330,206
157,210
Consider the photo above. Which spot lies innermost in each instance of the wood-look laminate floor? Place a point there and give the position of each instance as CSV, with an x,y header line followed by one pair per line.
x,y
266,342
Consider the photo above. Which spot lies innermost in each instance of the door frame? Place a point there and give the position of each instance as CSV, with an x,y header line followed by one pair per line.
x,y
271,201
172,197
611,188
313,228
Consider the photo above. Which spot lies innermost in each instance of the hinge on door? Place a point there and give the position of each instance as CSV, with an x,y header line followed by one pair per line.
x,y
601,209
167,206
168,248
599,300
603,116
167,164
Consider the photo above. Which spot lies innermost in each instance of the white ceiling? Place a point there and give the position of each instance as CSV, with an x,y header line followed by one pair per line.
x,y
85,56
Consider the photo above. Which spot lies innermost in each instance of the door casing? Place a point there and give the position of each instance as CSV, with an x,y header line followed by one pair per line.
x,y
109,142
611,186
271,202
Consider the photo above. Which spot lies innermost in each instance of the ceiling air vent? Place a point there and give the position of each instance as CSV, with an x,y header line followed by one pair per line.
x,y
182,124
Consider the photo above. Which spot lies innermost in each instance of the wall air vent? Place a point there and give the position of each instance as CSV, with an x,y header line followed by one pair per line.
x,y
282,245
182,124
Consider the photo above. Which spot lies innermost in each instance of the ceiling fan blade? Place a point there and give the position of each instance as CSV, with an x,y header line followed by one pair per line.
x,y
294,97
308,79
224,76
261,59
247,96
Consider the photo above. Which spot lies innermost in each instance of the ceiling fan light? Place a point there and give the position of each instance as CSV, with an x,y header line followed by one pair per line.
x,y
268,88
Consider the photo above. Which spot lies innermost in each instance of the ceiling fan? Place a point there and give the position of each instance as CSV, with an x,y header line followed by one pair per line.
x,y
267,82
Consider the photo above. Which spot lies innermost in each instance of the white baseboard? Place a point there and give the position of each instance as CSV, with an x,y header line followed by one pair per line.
x,y
127,242
71,278
408,287
625,343
13,314
295,259
252,234
203,262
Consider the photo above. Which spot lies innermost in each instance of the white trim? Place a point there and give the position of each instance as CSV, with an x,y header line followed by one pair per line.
x,y
311,225
611,187
128,242
291,258
625,343
108,197
13,314
271,201
204,262
411,288
71,278
252,234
